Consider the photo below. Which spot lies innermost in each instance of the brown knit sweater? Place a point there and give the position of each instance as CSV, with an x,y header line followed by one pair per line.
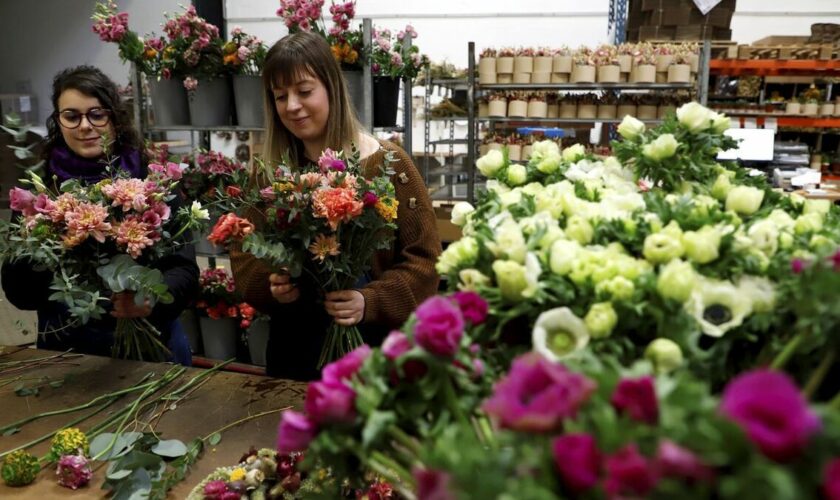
x,y
402,276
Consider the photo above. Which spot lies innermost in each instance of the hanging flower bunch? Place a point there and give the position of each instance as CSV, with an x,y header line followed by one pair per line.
x,y
390,57
244,53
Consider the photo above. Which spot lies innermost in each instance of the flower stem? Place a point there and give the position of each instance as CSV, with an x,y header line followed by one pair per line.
x,y
789,350
390,468
834,404
819,374
245,419
452,402
405,440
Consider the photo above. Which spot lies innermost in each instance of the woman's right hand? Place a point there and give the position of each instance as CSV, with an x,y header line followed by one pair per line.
x,y
282,289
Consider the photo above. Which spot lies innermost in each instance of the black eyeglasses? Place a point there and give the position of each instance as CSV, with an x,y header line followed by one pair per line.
x,y
98,117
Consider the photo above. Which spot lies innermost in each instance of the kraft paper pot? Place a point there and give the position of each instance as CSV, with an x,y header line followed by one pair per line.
x,y
483,110
583,74
559,78
526,152
517,108
624,110
539,109
514,152
608,74
541,77
504,65
827,109
679,73
607,111
645,73
810,108
646,112
519,78
561,64
625,63
553,111
568,110
485,78
662,62
487,65
504,78
497,108
543,64
523,64
663,111
587,111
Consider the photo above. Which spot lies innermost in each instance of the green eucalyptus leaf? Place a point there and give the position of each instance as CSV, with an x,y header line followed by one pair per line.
x,y
214,439
170,448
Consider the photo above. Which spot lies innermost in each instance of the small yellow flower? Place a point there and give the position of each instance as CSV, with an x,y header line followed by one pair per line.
x,y
387,208
237,474
282,187
69,442
324,246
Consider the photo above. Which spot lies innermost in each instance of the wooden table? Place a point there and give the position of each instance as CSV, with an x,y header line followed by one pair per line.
x,y
225,398
823,194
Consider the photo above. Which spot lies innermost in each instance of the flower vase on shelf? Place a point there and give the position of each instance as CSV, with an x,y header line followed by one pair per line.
x,y
355,89
169,102
211,103
248,99
625,110
386,93
497,108
514,152
541,77
679,73
504,78
559,78
539,109
810,108
517,108
553,111
607,111
608,74
486,78
568,110
827,108
643,73
561,64
487,65
587,111
526,152
793,108
663,61
664,110
504,65
483,110
661,77
625,63
583,74
646,112
218,337
523,64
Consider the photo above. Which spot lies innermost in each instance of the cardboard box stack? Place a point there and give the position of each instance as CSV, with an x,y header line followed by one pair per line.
x,y
678,20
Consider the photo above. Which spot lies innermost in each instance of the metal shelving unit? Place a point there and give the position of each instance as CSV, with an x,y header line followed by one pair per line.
x,y
451,169
524,121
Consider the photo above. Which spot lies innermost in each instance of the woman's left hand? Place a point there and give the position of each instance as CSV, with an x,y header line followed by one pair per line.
x,y
347,307
125,307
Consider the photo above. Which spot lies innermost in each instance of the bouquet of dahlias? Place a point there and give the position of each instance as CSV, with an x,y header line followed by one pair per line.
x,y
99,238
218,297
325,221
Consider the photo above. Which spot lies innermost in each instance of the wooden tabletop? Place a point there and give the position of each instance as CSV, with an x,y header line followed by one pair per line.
x,y
225,398
821,194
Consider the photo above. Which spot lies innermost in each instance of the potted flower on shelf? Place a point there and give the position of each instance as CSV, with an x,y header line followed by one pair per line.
x,y
523,65
607,107
504,64
517,104
245,54
552,100
487,66
664,56
497,104
390,61
347,46
153,57
527,147
587,106
647,107
568,105
667,104
680,69
606,59
644,65
542,65
626,105
537,105
483,106
561,64
625,58
514,145
218,306
256,327
584,68
692,49
811,101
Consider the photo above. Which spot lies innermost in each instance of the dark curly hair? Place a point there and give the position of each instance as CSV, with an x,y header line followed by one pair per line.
x,y
92,82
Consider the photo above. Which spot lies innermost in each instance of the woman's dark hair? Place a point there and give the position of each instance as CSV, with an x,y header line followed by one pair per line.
x,y
92,82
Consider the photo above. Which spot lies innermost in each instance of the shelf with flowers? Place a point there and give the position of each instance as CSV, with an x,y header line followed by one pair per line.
x,y
222,313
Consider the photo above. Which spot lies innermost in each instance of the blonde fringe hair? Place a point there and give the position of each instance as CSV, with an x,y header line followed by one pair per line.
x,y
290,58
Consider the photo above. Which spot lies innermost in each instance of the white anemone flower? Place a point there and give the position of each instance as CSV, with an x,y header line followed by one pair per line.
x,y
558,333
718,306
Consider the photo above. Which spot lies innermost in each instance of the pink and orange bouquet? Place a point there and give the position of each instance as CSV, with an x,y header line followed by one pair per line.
x,y
102,238
218,298
325,221
213,179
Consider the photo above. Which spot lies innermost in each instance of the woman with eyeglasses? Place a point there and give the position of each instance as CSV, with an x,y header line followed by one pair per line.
x,y
90,127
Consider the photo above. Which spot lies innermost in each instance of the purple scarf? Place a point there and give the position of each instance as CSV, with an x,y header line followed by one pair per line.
x,y
66,164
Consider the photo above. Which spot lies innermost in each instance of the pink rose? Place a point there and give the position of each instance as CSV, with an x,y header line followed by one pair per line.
x,y
672,460
439,327
268,194
343,369
629,474
174,171
21,200
369,199
295,432
44,205
637,399
578,461
329,403
472,305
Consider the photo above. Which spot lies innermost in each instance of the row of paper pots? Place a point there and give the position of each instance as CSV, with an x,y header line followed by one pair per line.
x,y
563,64
676,73
217,102
812,108
541,109
217,338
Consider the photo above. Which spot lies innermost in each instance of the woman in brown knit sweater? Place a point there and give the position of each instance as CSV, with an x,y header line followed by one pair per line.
x,y
309,111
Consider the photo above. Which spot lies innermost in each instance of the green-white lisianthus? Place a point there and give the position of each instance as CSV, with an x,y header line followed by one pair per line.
x,y
512,279
511,197
808,223
563,256
616,288
508,241
720,122
676,280
695,117
558,333
552,234
630,128
460,212
600,320
702,246
664,146
547,163
816,206
663,247
821,244
517,174
579,229
472,279
718,306
544,149
573,153
460,253
490,163
665,355
744,200
532,188
764,235
761,291
781,219
721,187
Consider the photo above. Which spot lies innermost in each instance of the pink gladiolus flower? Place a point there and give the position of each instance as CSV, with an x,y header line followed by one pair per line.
x,y
578,461
472,305
637,399
21,200
672,460
343,369
295,432
537,395
440,326
629,475
330,403
135,236
395,345
769,408
73,471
